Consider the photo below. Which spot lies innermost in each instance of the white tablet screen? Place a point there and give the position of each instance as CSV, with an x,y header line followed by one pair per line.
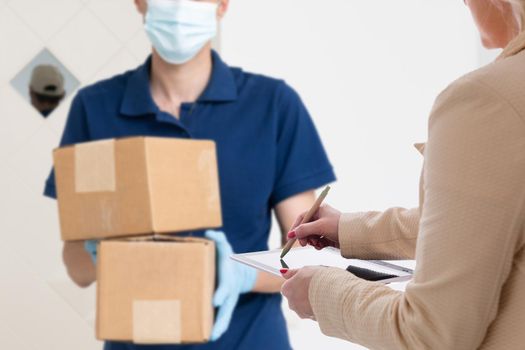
x,y
270,261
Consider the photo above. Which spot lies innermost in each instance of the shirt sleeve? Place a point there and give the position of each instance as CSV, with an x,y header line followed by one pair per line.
x,y
75,131
470,231
391,234
301,161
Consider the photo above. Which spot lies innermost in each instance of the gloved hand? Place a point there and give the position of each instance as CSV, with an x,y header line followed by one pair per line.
x,y
234,280
91,247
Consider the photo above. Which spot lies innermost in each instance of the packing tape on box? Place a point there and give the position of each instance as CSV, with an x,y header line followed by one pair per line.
x,y
205,159
95,167
156,322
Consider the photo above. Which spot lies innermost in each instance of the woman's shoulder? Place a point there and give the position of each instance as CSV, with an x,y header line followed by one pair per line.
x,y
498,86
504,76
499,82
483,110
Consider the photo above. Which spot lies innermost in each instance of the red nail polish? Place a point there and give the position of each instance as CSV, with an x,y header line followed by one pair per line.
x,y
283,271
292,234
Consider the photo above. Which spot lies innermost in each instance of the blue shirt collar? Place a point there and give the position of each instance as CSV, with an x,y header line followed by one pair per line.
x,y
222,86
138,101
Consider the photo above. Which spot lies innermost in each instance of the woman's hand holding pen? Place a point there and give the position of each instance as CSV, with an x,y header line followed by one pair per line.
x,y
321,232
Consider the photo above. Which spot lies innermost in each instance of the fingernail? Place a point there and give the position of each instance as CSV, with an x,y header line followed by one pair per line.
x,y
283,271
292,234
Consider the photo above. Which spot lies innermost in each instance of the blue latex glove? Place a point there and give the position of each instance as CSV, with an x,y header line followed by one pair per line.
x,y
234,280
91,247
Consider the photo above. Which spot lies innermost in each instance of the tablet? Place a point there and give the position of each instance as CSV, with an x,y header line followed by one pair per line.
x,y
371,270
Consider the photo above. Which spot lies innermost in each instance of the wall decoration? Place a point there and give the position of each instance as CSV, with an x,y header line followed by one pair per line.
x,y
45,82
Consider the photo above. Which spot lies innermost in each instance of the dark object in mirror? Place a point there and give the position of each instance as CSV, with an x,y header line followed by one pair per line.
x,y
44,83
46,88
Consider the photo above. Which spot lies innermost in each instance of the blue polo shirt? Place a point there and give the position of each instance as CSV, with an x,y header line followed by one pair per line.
x,y
268,150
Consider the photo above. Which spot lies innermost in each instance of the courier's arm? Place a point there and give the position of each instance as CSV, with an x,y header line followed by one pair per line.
x,y
286,212
79,264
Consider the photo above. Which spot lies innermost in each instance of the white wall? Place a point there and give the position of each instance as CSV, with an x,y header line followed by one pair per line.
x,y
368,71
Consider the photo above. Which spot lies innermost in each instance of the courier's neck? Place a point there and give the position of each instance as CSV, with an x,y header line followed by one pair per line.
x,y
171,85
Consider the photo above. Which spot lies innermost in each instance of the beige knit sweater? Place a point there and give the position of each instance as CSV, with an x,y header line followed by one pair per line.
x,y
467,235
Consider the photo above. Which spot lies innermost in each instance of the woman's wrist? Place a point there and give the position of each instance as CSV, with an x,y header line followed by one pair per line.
x,y
344,232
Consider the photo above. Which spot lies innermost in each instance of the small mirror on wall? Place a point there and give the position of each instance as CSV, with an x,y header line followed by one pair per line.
x,y
45,83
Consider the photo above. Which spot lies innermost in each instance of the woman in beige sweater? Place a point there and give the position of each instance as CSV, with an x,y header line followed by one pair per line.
x,y
468,234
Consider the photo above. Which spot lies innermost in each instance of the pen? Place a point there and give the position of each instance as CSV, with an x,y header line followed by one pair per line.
x,y
306,219
284,265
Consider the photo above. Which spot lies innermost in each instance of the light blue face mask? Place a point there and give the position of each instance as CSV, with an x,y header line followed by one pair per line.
x,y
179,29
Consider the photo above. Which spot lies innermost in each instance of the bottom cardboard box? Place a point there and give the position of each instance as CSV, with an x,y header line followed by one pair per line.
x,y
155,290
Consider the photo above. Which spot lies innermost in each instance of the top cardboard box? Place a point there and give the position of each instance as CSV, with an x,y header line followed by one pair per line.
x,y
136,186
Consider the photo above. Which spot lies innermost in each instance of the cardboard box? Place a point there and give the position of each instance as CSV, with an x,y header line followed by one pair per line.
x,y
136,186
155,290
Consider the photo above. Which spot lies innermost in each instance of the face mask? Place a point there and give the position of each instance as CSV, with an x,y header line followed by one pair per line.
x,y
179,29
